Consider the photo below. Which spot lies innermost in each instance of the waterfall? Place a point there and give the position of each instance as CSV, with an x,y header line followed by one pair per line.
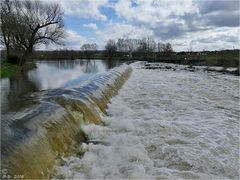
x,y
36,137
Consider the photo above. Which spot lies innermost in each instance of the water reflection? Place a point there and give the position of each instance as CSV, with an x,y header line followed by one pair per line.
x,y
19,86
56,74
110,64
15,91
5,87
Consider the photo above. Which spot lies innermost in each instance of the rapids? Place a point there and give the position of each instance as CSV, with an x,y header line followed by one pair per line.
x,y
164,123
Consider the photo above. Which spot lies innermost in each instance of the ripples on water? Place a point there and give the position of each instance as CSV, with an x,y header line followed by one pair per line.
x,y
39,127
164,124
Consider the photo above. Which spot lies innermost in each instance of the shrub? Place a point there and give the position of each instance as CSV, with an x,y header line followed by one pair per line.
x,y
13,59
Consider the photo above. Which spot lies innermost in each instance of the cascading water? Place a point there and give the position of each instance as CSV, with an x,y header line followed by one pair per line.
x,y
34,138
166,123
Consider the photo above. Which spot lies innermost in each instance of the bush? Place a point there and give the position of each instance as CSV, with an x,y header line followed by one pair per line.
x,y
13,59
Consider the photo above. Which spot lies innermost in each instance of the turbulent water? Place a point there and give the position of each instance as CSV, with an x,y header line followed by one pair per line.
x,y
164,124
35,137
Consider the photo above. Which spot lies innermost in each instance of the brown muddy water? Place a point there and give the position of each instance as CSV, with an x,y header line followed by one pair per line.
x,y
43,110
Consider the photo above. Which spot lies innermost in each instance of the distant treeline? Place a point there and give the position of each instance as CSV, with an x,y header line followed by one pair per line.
x,y
146,49
228,58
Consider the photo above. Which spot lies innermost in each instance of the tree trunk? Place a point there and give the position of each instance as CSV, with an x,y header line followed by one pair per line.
x,y
27,52
24,58
7,49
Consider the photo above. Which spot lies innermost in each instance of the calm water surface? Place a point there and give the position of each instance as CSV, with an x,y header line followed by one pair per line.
x,y
15,91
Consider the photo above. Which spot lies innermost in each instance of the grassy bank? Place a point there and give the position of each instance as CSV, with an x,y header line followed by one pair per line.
x,y
9,70
224,58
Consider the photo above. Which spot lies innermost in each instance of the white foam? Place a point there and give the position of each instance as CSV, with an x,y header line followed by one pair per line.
x,y
165,124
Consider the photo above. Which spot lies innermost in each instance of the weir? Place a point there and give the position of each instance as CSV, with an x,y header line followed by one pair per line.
x,y
33,139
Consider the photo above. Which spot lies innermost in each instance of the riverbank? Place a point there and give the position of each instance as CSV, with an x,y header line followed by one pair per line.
x,y
9,70
191,68
224,58
211,60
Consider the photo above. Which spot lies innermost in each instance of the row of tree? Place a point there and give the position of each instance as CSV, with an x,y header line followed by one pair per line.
x,y
89,50
146,47
26,24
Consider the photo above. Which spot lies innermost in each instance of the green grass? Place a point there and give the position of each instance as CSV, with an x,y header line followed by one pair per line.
x,y
9,70
220,59
225,60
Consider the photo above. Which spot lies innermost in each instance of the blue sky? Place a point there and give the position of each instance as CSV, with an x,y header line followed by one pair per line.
x,y
195,24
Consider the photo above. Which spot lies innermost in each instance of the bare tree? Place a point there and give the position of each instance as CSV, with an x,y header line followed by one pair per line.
x,y
111,48
127,46
142,49
151,44
6,21
32,23
168,49
145,48
89,49
161,47
121,45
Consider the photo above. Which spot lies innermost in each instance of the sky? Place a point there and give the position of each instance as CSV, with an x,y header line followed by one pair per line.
x,y
187,24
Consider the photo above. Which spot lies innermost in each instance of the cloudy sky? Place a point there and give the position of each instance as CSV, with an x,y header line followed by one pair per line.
x,y
196,24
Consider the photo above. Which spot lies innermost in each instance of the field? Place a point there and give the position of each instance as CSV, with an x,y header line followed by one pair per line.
x,y
9,70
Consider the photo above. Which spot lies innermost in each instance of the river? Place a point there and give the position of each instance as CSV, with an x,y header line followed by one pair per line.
x,y
48,75
162,123
166,123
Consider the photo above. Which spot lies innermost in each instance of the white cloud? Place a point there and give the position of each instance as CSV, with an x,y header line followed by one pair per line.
x,y
74,40
152,12
83,8
91,26
178,22
212,39
116,30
